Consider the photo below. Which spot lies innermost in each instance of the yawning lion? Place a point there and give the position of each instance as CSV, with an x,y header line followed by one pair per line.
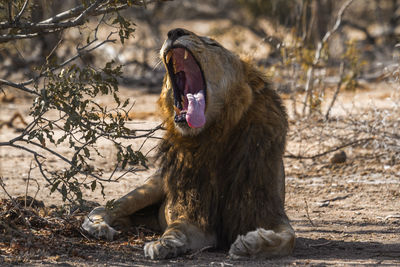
x,y
221,182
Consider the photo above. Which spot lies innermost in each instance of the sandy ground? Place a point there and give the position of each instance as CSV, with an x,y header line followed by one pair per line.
x,y
344,214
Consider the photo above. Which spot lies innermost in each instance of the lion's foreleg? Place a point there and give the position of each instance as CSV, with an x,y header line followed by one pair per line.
x,y
150,193
180,237
263,243
101,219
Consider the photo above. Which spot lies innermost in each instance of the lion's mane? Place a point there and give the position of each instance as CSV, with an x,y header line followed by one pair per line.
x,y
218,179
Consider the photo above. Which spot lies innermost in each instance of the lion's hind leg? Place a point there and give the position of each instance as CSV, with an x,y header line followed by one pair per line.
x,y
263,243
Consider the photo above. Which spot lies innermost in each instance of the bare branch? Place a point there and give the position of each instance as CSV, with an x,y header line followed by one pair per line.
x,y
9,37
3,186
147,134
18,16
64,15
317,56
64,159
9,11
40,28
356,142
49,26
79,13
29,127
18,86
40,165
85,13
341,77
307,214
81,51
26,149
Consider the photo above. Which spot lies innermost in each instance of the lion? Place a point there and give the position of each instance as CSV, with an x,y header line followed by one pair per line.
x,y
221,181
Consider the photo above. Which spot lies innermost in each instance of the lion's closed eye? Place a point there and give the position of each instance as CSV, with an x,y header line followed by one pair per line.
x,y
209,41
215,44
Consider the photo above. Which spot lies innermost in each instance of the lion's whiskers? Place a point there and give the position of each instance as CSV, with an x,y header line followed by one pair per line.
x,y
157,64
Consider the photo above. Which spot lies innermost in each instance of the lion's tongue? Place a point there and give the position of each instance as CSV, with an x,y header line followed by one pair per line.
x,y
195,114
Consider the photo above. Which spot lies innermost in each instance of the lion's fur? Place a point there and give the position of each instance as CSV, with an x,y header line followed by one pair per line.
x,y
225,178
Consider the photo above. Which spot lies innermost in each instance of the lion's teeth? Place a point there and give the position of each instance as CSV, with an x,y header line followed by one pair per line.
x,y
168,57
186,55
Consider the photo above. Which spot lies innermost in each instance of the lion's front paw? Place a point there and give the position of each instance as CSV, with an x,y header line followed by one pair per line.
x,y
97,224
166,247
259,243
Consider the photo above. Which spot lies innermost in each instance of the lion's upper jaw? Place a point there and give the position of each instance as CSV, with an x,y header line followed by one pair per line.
x,y
200,79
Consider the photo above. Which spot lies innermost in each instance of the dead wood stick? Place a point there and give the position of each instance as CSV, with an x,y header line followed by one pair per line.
x,y
190,256
338,198
356,142
320,245
341,75
307,214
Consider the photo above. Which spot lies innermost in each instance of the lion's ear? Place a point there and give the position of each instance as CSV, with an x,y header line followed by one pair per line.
x,y
255,78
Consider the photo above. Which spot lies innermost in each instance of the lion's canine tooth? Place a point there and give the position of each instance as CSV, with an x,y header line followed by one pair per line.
x,y
186,55
168,57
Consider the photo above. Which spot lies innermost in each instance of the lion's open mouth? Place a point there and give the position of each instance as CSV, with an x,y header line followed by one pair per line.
x,y
188,85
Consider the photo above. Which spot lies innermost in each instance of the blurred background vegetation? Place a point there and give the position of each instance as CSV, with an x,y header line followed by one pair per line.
x,y
276,31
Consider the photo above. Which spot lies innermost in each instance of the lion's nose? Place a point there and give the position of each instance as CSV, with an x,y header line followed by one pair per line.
x,y
176,33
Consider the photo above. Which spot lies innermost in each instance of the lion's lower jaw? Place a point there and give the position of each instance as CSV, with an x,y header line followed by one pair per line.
x,y
187,131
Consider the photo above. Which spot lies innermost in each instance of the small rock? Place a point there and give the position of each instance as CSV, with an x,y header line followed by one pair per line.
x,y
339,157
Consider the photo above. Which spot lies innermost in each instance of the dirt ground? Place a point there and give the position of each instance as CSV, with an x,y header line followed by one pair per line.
x,y
344,214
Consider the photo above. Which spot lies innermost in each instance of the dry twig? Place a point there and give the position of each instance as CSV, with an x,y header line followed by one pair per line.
x,y
341,77
352,143
317,56
319,245
307,214
191,256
